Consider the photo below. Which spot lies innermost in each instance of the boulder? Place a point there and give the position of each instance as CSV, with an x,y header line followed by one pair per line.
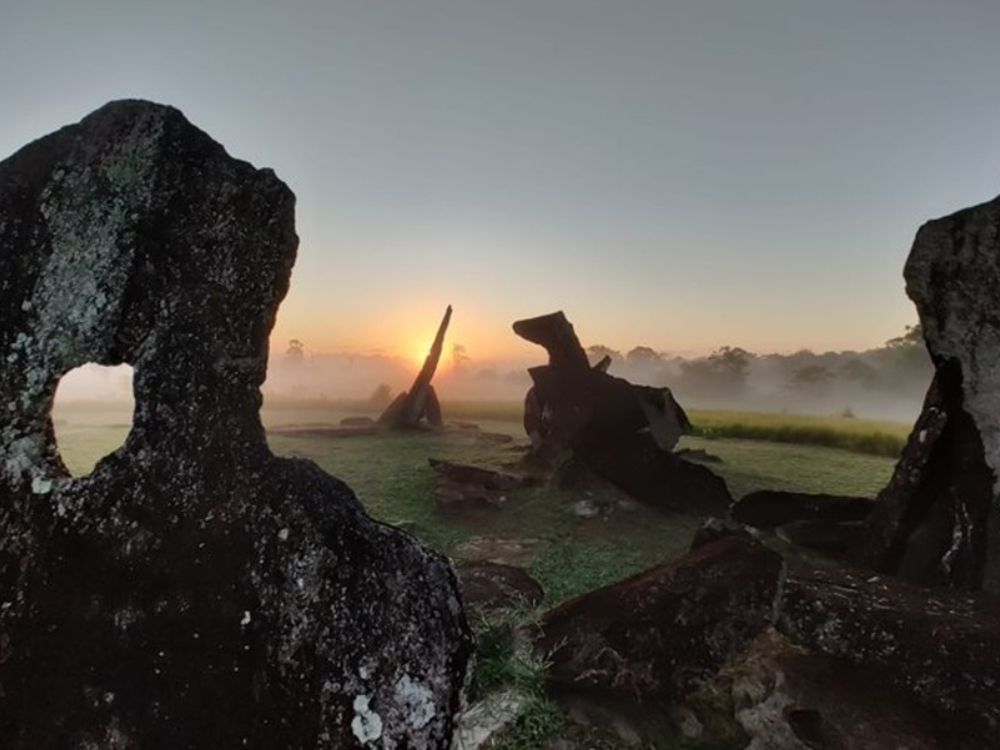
x,y
777,696
467,490
478,476
573,404
623,433
194,590
833,538
767,509
636,465
653,637
489,586
419,405
941,649
937,521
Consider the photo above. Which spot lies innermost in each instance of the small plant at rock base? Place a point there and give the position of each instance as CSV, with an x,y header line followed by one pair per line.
x,y
504,657
505,660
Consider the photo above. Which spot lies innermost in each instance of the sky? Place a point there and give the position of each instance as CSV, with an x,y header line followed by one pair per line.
x,y
681,175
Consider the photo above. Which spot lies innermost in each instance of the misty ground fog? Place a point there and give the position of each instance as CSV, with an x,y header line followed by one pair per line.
x,y
883,383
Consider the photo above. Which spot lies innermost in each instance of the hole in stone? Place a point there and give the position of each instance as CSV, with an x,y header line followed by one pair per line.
x,y
92,414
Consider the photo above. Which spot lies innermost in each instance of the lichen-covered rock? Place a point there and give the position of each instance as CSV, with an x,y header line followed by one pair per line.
x,y
193,591
937,521
942,648
653,637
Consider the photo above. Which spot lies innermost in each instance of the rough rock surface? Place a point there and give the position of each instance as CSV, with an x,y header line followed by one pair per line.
x,y
636,465
777,696
192,591
767,509
623,433
654,636
938,521
489,586
942,648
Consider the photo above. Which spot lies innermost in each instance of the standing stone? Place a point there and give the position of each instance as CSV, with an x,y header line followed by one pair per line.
x,y
411,408
194,591
936,523
623,433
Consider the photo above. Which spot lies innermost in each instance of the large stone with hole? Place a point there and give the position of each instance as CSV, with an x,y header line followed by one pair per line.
x,y
194,590
938,521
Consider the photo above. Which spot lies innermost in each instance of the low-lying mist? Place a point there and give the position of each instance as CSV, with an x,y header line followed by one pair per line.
x,y
883,383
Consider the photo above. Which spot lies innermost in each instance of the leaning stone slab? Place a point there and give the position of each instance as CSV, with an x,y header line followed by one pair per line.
x,y
194,590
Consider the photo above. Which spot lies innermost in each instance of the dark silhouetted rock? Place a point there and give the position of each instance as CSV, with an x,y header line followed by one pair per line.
x,y
637,466
654,636
714,529
941,648
767,509
575,412
193,591
489,586
463,489
478,476
555,334
834,538
937,522
420,404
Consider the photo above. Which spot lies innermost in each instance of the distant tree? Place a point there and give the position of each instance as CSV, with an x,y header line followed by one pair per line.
x,y
597,352
731,362
907,356
812,377
381,396
856,370
643,355
295,351
912,336
459,356
721,373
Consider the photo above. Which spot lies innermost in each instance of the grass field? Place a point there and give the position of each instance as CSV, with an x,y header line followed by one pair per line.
x,y
568,555
874,437
390,474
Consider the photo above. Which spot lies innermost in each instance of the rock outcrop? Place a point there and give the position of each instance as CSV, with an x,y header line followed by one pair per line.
x,y
833,524
491,587
623,433
655,636
194,590
942,649
936,523
420,404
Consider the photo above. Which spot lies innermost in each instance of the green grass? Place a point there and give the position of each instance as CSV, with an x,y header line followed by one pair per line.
x,y
390,475
871,437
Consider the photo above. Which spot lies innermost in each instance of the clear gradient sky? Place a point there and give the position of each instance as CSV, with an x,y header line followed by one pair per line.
x,y
675,174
